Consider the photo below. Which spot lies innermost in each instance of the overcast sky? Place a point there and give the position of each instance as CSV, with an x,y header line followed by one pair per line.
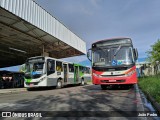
x,y
94,20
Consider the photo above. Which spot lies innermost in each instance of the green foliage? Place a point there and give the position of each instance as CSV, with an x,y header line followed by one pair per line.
x,y
154,53
151,85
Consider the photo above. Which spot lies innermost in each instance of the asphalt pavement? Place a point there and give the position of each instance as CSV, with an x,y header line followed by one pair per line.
x,y
75,102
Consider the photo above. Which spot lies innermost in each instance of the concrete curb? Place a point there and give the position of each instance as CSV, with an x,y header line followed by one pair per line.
x,y
14,90
140,106
152,100
138,97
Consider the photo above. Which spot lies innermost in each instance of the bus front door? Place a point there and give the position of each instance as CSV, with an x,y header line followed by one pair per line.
x,y
65,73
76,74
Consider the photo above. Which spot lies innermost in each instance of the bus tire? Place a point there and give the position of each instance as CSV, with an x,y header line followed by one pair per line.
x,y
29,89
82,82
59,84
103,87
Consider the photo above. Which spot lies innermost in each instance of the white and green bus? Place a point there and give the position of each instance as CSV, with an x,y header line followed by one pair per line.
x,y
47,71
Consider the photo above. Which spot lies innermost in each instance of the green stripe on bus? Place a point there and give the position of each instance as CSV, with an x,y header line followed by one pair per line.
x,y
28,80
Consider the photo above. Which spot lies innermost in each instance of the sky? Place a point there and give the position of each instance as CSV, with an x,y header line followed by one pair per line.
x,y
94,20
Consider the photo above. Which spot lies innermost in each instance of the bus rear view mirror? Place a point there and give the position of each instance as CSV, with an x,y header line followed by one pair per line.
x,y
136,53
88,55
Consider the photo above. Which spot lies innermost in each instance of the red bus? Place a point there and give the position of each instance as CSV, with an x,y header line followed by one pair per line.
x,y
113,62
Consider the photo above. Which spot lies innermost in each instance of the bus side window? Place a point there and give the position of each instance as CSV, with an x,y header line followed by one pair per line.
x,y
71,68
87,70
59,66
83,69
50,67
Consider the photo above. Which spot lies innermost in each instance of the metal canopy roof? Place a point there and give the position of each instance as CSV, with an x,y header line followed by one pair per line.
x,y
27,30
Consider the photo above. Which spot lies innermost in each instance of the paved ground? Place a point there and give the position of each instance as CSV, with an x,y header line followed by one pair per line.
x,y
12,90
89,101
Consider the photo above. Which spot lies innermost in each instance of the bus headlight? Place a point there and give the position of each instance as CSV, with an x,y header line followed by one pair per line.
x,y
42,79
97,75
130,73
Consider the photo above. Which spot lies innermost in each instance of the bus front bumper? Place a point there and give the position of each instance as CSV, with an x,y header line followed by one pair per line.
x,y
114,80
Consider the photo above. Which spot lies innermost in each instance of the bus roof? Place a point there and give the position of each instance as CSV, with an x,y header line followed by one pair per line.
x,y
65,62
117,38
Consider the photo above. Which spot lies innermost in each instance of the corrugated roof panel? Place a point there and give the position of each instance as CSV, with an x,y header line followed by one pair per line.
x,y
20,8
66,34
14,5
10,5
2,3
31,12
42,19
48,24
34,14
5,4
60,32
23,10
39,19
53,27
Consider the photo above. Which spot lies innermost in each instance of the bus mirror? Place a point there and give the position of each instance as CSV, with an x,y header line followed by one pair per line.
x,y
88,55
136,53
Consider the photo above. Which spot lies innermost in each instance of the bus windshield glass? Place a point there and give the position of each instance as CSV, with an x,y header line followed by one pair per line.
x,y
113,56
35,69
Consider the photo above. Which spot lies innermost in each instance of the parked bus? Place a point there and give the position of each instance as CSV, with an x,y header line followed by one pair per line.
x,y
83,73
47,71
113,62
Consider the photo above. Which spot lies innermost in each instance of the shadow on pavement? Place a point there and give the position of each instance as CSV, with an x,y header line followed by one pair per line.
x,y
86,101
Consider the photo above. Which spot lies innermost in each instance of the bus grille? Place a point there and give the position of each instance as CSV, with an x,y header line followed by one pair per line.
x,y
108,81
29,83
121,75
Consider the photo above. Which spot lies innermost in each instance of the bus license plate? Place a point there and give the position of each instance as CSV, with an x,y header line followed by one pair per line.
x,y
31,85
112,80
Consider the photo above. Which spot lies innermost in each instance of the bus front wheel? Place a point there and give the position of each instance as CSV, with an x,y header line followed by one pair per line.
x,y
59,84
82,82
103,87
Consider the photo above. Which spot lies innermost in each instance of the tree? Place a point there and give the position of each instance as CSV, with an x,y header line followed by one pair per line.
x,y
154,53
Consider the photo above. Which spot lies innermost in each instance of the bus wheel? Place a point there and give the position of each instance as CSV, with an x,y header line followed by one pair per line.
x,y
103,87
131,85
59,84
29,89
82,82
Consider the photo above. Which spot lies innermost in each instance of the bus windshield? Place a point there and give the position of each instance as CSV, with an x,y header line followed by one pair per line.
x,y
35,69
113,56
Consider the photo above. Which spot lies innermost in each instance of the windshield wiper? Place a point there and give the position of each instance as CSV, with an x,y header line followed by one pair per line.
x,y
103,51
117,50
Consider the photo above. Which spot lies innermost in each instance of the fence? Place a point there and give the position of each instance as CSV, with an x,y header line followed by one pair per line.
x,y
147,69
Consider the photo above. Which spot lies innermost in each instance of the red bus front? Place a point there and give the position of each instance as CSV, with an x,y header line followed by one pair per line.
x,y
101,77
113,62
